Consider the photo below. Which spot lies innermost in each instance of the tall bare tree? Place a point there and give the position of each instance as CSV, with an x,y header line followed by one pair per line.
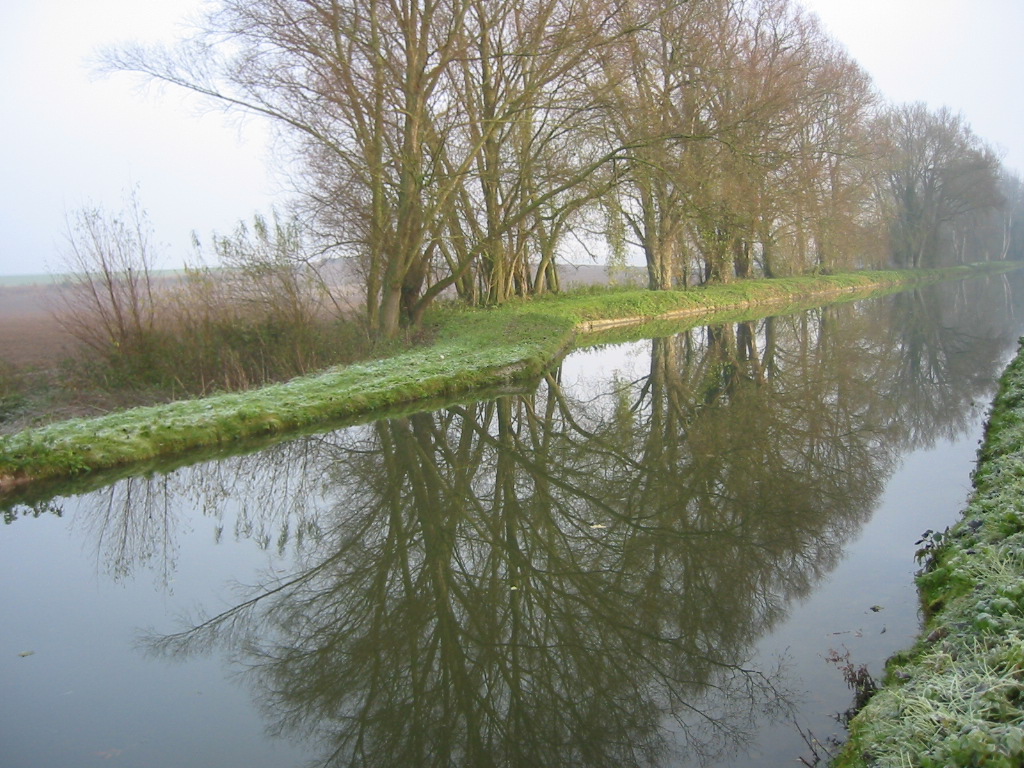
x,y
936,170
785,176
526,90
746,126
358,87
439,139
660,78
452,145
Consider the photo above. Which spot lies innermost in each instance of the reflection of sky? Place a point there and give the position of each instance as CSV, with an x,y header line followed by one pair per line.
x,y
88,695
624,362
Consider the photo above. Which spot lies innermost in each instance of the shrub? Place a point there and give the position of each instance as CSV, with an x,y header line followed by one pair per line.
x,y
109,303
265,315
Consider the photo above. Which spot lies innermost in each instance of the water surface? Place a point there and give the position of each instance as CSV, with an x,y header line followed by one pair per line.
x,y
645,559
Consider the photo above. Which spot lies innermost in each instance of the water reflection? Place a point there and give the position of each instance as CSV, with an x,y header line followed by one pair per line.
x,y
575,576
948,347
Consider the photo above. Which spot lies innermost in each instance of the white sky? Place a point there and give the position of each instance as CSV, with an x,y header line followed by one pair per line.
x,y
967,55
69,139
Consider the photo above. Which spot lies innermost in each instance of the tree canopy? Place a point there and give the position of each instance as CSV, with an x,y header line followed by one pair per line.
x,y
466,146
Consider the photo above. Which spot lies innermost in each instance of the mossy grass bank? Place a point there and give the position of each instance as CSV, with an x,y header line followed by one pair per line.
x,y
957,697
471,349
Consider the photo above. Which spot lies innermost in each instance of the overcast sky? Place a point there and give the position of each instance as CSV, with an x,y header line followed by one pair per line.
x,y
968,56
69,139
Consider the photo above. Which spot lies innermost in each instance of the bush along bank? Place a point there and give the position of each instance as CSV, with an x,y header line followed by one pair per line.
x,y
957,697
472,349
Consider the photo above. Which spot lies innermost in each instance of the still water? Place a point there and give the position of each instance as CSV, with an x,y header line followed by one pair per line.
x,y
645,559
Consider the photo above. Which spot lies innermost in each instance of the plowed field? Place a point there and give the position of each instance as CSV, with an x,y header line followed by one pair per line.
x,y
30,336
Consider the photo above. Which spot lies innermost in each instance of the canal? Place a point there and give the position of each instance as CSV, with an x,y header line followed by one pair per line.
x,y
663,553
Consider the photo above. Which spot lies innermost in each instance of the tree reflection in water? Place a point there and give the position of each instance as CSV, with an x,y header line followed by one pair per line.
x,y
565,579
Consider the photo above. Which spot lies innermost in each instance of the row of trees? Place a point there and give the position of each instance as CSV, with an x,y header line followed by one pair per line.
x,y
467,145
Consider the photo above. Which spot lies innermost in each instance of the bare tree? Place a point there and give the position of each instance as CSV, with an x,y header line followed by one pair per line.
x,y
452,145
438,140
793,109
109,260
747,132
658,77
936,170
530,157
1011,230
357,87
270,279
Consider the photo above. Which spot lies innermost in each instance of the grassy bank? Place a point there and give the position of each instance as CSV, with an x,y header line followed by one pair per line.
x,y
472,349
957,697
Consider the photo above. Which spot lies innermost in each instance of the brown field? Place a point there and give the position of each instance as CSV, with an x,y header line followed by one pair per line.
x,y
30,335
39,383
31,338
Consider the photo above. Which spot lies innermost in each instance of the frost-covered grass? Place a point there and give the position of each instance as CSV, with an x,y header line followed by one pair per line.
x,y
957,697
472,348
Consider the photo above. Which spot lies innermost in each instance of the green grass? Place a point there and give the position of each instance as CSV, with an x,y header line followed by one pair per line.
x,y
472,349
957,697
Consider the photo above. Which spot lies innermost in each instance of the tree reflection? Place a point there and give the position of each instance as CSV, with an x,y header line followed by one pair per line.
x,y
545,579
470,610
565,579
947,349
